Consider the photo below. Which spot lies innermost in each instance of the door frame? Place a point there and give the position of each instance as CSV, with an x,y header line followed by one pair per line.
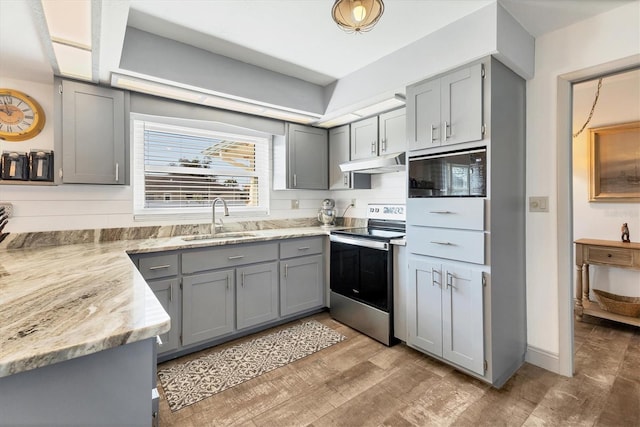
x,y
564,218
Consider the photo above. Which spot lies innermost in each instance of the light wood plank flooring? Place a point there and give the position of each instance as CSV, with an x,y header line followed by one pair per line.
x,y
360,382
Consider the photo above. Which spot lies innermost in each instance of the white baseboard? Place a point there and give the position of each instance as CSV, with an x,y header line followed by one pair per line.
x,y
542,358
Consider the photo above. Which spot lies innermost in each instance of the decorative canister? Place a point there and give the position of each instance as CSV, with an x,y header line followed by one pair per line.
x,y
15,166
41,165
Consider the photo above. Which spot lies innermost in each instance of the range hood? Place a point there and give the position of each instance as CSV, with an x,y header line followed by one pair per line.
x,y
381,164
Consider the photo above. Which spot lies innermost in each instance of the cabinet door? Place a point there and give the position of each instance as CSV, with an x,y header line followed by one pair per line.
x,y
301,284
93,137
168,293
364,138
207,306
462,318
461,113
424,307
308,158
393,131
257,290
339,152
423,115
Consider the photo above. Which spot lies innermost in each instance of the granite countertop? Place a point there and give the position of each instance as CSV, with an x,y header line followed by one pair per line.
x,y
62,302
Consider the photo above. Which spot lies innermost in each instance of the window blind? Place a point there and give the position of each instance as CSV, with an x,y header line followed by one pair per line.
x,y
185,169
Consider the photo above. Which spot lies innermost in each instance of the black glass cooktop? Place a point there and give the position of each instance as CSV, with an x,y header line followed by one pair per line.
x,y
371,233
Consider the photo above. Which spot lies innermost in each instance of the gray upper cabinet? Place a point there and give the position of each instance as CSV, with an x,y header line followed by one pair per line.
x,y
364,138
446,110
339,152
93,134
393,131
301,159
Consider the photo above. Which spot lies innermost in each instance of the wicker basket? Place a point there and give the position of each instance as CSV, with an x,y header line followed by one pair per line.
x,y
627,306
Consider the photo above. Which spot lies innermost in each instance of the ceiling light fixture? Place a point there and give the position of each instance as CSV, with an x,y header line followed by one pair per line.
x,y
357,16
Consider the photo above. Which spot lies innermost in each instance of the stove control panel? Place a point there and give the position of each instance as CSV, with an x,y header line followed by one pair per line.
x,y
384,211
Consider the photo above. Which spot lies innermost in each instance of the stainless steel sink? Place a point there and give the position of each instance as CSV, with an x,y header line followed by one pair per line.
x,y
216,236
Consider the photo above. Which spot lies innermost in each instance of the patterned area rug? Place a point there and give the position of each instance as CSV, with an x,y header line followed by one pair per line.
x,y
187,383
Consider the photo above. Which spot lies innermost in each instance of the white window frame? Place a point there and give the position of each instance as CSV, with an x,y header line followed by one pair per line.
x,y
197,128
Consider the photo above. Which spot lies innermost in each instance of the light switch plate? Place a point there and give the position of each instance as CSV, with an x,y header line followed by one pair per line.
x,y
539,204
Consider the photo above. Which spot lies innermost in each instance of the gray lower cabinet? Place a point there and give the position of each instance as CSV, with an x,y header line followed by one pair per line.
x,y
208,308
214,294
447,312
257,294
168,293
93,134
301,275
301,284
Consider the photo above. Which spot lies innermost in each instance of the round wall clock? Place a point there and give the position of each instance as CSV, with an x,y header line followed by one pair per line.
x,y
21,117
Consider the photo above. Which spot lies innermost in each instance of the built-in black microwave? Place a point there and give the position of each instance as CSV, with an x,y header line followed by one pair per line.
x,y
452,174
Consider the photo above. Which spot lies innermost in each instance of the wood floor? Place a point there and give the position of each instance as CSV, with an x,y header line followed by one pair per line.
x,y
360,382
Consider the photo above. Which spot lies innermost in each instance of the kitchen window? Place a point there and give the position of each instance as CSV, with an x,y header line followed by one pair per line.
x,y
179,171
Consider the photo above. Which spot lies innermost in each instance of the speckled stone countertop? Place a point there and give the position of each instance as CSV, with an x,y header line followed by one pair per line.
x,y
62,302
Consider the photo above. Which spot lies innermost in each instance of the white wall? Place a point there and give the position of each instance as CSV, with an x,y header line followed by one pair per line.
x,y
619,102
73,206
598,40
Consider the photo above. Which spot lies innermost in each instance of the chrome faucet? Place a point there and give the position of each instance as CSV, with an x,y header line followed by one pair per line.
x,y
213,213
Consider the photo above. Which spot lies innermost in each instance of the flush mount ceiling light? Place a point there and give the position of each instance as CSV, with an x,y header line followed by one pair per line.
x,y
357,16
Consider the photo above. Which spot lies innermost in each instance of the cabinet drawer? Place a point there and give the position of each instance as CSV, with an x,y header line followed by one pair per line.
x,y
300,247
610,256
227,256
156,266
466,213
461,245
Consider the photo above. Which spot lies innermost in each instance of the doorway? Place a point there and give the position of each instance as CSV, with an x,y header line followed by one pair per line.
x,y
565,214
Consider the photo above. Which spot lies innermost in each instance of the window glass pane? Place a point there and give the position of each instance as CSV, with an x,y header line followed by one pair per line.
x,y
187,169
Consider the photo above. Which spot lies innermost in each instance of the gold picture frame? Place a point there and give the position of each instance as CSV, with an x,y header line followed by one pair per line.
x,y
614,175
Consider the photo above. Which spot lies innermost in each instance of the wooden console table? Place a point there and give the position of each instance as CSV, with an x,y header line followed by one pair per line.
x,y
608,253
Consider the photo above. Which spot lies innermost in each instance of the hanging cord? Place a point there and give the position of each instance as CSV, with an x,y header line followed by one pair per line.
x,y
345,211
593,107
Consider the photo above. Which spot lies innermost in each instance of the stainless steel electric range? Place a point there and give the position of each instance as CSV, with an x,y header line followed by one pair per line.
x,y
361,278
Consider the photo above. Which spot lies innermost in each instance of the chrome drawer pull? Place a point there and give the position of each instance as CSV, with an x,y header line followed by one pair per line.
x,y
231,258
432,129
355,291
442,243
159,267
441,212
304,248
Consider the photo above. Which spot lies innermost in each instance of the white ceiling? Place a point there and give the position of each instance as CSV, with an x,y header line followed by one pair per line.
x,y
293,37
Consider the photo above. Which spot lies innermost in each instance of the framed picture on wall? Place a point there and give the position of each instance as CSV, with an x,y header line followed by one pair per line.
x,y
614,175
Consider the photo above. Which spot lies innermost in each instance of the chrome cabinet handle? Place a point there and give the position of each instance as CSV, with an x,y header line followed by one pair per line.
x,y
346,179
447,128
231,258
450,278
373,147
383,144
159,267
304,248
295,180
440,212
117,170
355,291
171,292
433,279
227,281
242,280
432,138
436,242
286,270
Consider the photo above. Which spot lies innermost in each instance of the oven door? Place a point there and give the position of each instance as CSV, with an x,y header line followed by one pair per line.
x,y
360,270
